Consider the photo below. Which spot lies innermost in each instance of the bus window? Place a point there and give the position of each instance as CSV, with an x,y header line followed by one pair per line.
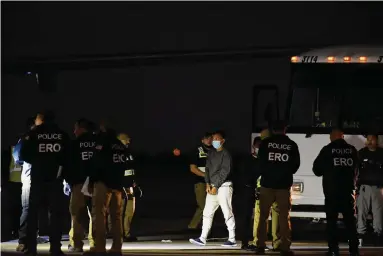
x,y
347,94
314,107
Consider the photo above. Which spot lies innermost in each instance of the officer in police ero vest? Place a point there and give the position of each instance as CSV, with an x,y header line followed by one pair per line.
x,y
197,167
45,149
80,167
337,163
279,160
106,184
131,191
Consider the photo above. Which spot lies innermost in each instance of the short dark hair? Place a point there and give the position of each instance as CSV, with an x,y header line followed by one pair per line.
x,y
92,126
279,125
373,134
220,133
256,140
83,123
47,115
337,129
207,135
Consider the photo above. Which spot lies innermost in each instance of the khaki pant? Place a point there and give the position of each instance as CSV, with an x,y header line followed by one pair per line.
x,y
77,208
283,199
127,213
200,195
104,198
274,224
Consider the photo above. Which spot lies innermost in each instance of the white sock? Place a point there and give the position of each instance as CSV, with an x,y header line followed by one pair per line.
x,y
203,239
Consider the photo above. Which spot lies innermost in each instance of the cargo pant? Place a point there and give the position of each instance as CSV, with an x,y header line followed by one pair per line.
x,y
274,224
102,199
127,212
77,207
200,196
370,197
283,199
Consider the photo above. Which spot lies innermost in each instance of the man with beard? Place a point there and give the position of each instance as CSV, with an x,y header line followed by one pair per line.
x,y
370,183
197,167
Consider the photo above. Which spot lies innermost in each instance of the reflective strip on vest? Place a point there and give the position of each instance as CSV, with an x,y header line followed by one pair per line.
x,y
129,172
201,153
202,169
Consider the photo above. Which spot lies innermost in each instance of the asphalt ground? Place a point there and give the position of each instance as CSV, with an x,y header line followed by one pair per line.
x,y
183,247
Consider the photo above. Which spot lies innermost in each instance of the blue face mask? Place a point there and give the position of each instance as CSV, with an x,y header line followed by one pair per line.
x,y
216,144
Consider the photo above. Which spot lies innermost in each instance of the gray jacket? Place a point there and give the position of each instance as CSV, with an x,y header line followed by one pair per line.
x,y
218,167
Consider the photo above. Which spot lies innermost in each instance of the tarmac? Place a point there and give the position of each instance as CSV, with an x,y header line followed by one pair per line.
x,y
183,247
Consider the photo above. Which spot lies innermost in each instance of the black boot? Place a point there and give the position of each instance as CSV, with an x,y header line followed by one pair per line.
x,y
248,247
260,251
286,253
354,250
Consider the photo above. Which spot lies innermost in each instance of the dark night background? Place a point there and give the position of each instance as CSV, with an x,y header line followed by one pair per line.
x,y
169,104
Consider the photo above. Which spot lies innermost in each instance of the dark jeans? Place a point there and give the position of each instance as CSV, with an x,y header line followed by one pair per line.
x,y
46,194
25,191
248,204
43,214
345,204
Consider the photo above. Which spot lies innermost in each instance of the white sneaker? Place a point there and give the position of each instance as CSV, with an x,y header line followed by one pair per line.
x,y
229,244
197,241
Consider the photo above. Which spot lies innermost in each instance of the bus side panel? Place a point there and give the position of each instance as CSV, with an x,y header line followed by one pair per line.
x,y
312,194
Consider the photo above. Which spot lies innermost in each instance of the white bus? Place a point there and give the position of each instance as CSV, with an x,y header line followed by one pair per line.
x,y
328,87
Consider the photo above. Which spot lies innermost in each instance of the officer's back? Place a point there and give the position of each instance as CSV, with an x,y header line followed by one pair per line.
x,y
279,160
45,149
110,160
337,163
82,151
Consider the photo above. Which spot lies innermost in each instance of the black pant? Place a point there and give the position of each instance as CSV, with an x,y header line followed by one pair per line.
x,y
42,194
345,204
248,204
10,198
